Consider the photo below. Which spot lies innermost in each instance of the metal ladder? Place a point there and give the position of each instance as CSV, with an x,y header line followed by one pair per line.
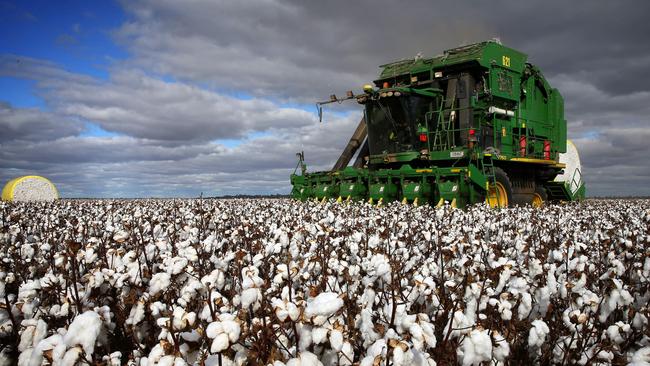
x,y
487,167
442,137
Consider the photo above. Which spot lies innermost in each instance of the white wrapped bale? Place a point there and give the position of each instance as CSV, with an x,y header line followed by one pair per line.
x,y
29,188
571,159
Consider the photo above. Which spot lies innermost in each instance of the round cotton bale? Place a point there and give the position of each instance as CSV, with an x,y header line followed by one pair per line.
x,y
571,159
29,188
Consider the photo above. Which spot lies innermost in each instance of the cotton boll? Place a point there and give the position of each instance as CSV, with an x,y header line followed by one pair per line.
x,y
325,304
347,354
220,343
501,349
84,331
250,296
641,357
525,306
475,348
319,335
537,334
71,356
293,311
214,329
336,340
617,333
34,331
136,314
304,333
159,282
417,336
305,359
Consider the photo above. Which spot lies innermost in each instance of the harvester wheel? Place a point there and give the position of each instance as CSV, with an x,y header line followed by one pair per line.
x,y
501,194
540,196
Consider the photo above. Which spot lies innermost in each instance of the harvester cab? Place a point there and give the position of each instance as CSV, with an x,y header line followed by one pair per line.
x,y
476,124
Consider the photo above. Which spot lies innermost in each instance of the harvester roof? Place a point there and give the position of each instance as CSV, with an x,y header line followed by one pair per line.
x,y
486,54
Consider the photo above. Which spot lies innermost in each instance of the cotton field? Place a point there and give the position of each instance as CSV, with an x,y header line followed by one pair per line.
x,y
279,282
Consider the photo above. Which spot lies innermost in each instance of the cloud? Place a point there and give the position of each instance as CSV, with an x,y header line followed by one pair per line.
x,y
180,90
169,136
139,105
30,124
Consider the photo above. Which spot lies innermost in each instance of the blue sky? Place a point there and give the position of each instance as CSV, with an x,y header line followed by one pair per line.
x,y
170,98
73,34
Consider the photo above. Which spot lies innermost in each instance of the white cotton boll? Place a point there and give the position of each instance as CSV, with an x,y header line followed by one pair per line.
x,y
28,290
305,359
427,235
347,354
537,334
71,356
214,329
84,331
90,256
176,265
249,296
282,273
380,265
319,335
220,343
293,311
641,357
325,304
429,335
417,336
614,332
525,306
501,349
368,298
157,308
399,357
230,327
304,333
27,337
639,321
475,348
121,236
503,279
280,308
159,282
336,340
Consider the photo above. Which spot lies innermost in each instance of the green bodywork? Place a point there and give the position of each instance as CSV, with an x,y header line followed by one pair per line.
x,y
438,126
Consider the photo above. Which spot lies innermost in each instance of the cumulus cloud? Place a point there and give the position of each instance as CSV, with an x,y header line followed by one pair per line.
x,y
169,136
31,124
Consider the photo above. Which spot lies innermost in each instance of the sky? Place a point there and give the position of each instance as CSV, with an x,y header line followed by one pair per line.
x,y
166,98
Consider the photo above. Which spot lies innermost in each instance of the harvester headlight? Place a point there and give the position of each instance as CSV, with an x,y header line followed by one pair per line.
x,y
382,95
397,94
390,94
437,74
367,88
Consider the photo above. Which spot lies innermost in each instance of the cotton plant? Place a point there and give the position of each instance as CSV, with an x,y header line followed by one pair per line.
x,y
279,282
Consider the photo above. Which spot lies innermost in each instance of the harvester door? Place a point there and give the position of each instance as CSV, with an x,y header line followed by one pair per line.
x,y
465,115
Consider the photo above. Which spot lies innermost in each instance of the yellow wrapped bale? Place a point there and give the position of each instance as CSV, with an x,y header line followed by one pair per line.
x,y
29,188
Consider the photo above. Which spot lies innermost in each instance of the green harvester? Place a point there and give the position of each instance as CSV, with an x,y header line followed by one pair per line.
x,y
476,124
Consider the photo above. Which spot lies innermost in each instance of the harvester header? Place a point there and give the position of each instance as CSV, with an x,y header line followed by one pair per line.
x,y
477,123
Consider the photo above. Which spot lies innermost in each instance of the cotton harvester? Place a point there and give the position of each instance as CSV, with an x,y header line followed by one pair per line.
x,y
476,124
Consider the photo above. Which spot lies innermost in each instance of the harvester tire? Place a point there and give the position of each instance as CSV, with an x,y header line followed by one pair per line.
x,y
501,195
540,197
